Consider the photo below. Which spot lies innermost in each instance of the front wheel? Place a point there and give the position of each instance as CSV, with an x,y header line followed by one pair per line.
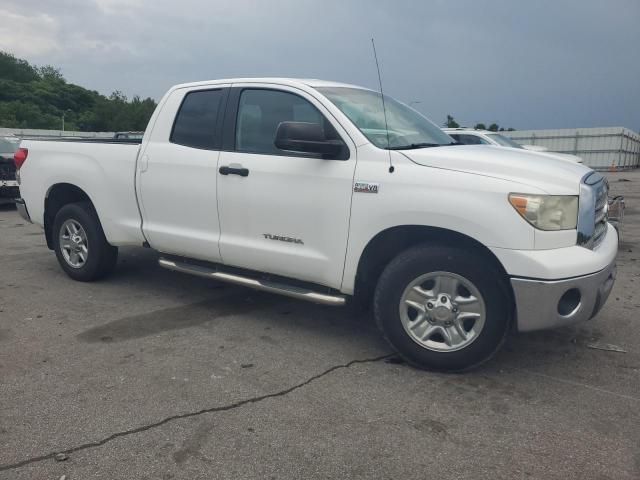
x,y
443,308
80,245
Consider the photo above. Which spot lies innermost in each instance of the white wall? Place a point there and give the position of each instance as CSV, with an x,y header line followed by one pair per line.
x,y
19,132
600,148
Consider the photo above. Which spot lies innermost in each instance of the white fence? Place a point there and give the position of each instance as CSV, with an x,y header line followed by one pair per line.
x,y
610,148
29,132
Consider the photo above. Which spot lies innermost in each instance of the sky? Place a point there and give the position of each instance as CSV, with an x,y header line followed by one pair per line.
x,y
522,64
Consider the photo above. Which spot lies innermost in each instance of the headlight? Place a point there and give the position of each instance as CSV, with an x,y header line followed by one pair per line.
x,y
547,212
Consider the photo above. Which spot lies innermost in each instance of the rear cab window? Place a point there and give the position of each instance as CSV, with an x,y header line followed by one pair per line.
x,y
197,120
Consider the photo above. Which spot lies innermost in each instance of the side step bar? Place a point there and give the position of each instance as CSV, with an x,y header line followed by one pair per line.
x,y
258,284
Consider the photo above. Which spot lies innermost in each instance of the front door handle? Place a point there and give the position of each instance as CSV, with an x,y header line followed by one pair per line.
x,y
235,170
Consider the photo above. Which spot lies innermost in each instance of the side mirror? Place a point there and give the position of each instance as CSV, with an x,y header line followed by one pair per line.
x,y
304,137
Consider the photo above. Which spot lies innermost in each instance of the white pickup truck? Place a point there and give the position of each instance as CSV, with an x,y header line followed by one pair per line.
x,y
304,188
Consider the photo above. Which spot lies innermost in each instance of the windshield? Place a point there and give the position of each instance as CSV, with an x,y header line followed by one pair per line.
x,y
407,128
504,141
9,145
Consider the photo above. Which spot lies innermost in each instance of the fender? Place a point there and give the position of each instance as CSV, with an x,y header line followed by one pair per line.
x,y
471,205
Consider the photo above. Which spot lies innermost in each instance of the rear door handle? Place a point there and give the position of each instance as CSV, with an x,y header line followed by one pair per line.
x,y
234,170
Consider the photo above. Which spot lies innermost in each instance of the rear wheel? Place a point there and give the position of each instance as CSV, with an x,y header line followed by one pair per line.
x,y
80,245
443,308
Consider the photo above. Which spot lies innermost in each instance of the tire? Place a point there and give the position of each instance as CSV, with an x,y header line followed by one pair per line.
x,y
419,337
80,245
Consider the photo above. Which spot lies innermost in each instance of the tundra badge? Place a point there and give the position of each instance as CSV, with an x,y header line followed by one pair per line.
x,y
282,239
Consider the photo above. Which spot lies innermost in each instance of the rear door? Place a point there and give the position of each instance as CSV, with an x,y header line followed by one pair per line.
x,y
177,174
282,212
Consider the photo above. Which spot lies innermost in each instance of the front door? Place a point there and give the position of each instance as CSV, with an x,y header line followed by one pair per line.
x,y
281,212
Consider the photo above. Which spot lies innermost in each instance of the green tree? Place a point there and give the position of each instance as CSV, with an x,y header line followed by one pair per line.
x,y
451,123
47,72
36,97
493,127
480,126
12,68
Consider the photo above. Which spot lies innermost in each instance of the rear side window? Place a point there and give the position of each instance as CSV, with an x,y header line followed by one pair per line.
x,y
196,121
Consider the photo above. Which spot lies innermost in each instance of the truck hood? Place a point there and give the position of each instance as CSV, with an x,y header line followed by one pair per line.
x,y
564,156
541,171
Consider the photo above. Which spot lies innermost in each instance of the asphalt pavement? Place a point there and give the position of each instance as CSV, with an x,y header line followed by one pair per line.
x,y
156,374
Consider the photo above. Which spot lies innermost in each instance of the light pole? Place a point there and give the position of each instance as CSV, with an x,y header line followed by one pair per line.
x,y
63,114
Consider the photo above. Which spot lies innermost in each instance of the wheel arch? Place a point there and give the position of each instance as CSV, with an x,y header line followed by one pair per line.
x,y
387,244
59,195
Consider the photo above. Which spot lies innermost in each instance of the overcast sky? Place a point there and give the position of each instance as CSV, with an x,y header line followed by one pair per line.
x,y
522,64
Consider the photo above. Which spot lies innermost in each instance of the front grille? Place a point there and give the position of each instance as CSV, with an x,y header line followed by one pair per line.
x,y
593,211
601,210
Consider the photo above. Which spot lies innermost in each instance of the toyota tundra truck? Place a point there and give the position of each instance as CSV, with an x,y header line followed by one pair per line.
x,y
320,191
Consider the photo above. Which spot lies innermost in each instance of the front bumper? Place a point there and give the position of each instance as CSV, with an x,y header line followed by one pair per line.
x,y
542,304
22,209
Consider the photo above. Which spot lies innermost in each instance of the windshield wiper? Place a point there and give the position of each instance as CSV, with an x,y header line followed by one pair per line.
x,y
413,146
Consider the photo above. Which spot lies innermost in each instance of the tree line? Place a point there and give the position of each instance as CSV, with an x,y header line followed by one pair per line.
x,y
494,127
40,97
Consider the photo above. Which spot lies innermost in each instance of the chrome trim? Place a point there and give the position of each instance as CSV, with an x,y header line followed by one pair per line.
x,y
537,300
263,285
22,209
591,178
586,214
592,210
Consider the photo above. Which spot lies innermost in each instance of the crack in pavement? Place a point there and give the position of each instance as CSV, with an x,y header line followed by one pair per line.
x,y
224,408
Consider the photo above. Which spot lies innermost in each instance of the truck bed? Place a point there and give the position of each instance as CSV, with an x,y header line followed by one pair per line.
x,y
104,169
124,141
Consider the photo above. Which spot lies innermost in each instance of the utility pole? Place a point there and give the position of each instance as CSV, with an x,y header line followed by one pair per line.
x,y
63,114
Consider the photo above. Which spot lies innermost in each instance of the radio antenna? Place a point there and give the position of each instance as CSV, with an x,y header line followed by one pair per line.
x,y
384,109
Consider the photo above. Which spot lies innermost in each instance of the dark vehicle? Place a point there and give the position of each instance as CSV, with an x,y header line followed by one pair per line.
x,y
8,183
128,135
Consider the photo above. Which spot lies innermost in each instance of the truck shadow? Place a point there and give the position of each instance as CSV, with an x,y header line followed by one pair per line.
x,y
175,318
205,302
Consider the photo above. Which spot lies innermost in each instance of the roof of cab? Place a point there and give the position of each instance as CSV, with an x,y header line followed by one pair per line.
x,y
293,82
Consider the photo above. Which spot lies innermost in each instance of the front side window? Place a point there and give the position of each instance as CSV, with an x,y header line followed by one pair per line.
x,y
261,111
406,128
195,124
